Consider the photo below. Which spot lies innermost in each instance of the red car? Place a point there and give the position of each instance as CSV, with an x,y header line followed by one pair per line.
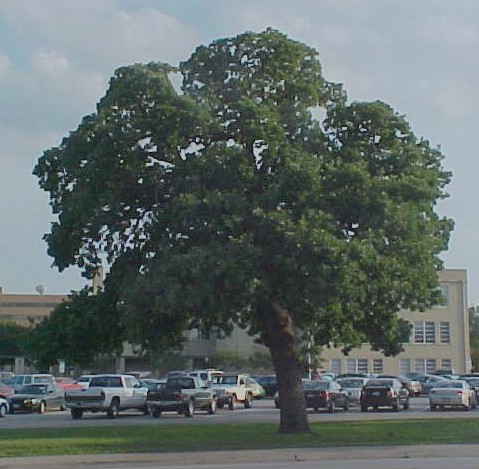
x,y
67,383
6,391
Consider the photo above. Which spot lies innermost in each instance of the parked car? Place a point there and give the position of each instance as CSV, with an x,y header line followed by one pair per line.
x,y
321,394
353,387
183,395
6,391
353,375
429,381
84,381
269,384
413,386
18,381
4,407
474,383
38,398
110,393
206,375
152,384
67,383
236,387
325,394
256,388
384,392
452,394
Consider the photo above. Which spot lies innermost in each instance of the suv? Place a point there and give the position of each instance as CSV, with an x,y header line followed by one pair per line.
x,y
18,381
237,387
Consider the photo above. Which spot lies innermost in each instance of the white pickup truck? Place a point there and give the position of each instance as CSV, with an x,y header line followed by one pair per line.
x,y
108,393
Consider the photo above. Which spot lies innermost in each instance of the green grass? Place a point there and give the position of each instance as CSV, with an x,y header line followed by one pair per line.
x,y
176,438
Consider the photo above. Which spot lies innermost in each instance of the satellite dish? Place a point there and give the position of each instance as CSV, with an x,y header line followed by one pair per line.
x,y
41,289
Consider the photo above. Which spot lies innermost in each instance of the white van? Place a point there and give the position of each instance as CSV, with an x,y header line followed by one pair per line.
x,y
18,381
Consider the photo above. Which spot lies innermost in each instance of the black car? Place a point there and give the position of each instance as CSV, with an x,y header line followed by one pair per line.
x,y
322,394
325,394
384,392
405,381
269,384
38,398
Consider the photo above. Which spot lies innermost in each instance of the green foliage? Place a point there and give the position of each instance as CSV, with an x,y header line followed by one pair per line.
x,y
13,339
77,331
229,360
474,336
230,204
181,438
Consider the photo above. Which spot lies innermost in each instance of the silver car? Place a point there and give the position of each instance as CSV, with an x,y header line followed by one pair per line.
x,y
353,387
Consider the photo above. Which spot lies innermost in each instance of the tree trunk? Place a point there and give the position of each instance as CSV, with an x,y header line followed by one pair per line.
x,y
281,342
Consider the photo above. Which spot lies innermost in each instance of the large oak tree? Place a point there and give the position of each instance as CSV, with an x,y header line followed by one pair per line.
x,y
255,196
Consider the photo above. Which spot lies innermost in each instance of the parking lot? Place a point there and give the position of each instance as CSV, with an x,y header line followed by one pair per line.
x,y
263,410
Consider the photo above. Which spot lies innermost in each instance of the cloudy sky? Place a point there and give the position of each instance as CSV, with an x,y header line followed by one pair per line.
x,y
56,57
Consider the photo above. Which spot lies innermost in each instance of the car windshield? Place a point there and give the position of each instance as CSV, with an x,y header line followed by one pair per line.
x,y
449,384
352,383
34,389
182,383
310,385
106,382
382,382
225,379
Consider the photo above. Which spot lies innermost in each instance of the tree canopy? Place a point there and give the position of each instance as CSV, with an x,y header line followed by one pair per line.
x,y
229,203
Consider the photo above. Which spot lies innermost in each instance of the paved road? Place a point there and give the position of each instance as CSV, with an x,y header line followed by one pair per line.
x,y
262,411
407,457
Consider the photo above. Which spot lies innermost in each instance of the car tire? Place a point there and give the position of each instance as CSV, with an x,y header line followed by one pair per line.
x,y
3,410
232,403
406,405
364,408
42,407
189,408
346,406
146,410
248,401
212,407
332,407
114,409
76,414
156,413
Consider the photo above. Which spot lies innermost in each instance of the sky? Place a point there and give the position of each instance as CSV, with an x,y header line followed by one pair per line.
x,y
57,56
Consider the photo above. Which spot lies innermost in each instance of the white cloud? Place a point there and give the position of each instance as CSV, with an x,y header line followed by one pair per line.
x,y
5,67
49,62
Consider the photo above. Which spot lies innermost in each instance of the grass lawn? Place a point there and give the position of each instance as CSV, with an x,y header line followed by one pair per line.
x,y
163,438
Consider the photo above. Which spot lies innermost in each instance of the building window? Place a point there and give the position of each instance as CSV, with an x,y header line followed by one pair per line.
x,y
424,332
335,365
377,365
419,366
362,365
430,365
444,295
445,332
351,365
446,364
404,366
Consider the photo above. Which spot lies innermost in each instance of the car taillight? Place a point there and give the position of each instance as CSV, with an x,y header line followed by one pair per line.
x,y
390,393
458,392
324,394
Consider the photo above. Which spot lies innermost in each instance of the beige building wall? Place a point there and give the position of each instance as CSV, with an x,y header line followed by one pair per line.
x,y
439,338
25,308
